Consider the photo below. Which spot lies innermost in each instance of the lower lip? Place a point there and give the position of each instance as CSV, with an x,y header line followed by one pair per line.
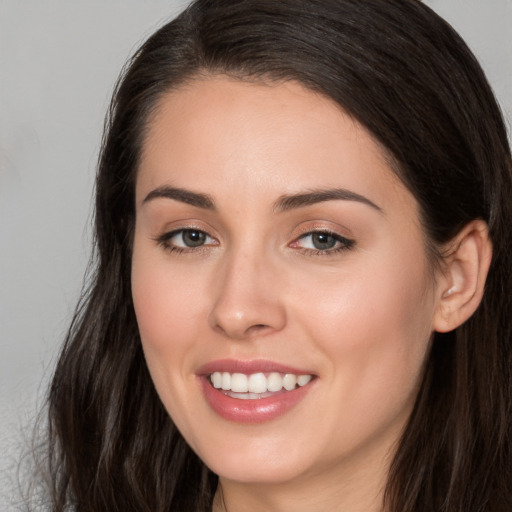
x,y
258,410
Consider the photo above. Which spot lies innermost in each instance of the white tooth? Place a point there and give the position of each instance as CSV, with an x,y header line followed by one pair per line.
x,y
302,380
239,383
245,396
216,378
226,381
274,382
257,383
289,381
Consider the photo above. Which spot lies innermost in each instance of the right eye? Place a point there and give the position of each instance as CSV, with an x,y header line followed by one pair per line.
x,y
185,239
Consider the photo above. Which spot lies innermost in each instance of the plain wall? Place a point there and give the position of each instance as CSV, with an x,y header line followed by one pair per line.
x,y
58,63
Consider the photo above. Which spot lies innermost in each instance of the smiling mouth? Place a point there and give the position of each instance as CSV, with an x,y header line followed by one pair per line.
x,y
257,385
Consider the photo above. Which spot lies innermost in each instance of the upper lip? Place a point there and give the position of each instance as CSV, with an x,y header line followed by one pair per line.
x,y
248,367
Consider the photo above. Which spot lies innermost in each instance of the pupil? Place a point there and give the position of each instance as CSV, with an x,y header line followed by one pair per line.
x,y
193,238
323,241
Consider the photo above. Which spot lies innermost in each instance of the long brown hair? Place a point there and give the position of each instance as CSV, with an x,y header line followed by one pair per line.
x,y
405,74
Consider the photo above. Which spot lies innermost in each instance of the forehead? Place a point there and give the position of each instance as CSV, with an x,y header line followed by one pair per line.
x,y
279,138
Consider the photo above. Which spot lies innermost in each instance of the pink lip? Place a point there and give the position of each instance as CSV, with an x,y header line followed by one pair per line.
x,y
248,367
250,411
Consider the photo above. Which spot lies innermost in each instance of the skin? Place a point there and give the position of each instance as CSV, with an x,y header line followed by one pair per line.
x,y
359,319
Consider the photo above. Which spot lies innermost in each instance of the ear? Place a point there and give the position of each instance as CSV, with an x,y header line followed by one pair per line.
x,y
462,282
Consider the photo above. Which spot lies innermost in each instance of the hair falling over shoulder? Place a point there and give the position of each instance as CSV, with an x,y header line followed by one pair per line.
x,y
405,75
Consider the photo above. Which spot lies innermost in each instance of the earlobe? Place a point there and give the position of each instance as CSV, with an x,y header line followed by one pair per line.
x,y
465,269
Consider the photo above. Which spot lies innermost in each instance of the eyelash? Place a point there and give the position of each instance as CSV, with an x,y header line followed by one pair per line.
x,y
164,241
345,244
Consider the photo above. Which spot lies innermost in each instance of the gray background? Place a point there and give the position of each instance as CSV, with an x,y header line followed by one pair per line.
x,y
58,62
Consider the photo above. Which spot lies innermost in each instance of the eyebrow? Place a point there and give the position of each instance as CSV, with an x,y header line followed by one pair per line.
x,y
185,196
290,202
283,204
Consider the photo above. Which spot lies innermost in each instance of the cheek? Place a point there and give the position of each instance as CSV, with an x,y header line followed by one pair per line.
x,y
375,326
167,309
376,346
368,307
163,300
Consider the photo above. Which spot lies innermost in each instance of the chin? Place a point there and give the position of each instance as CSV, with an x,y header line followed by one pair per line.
x,y
263,461
247,472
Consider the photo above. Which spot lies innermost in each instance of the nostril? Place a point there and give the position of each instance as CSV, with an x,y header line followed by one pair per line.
x,y
257,329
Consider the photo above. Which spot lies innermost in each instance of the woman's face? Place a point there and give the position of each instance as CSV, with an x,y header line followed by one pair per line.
x,y
276,251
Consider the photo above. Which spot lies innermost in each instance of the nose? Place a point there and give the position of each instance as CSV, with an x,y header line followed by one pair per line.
x,y
248,298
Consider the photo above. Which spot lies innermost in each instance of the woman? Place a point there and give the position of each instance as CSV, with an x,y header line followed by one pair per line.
x,y
301,298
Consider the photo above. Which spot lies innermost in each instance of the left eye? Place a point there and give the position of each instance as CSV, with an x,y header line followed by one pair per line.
x,y
188,238
323,241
